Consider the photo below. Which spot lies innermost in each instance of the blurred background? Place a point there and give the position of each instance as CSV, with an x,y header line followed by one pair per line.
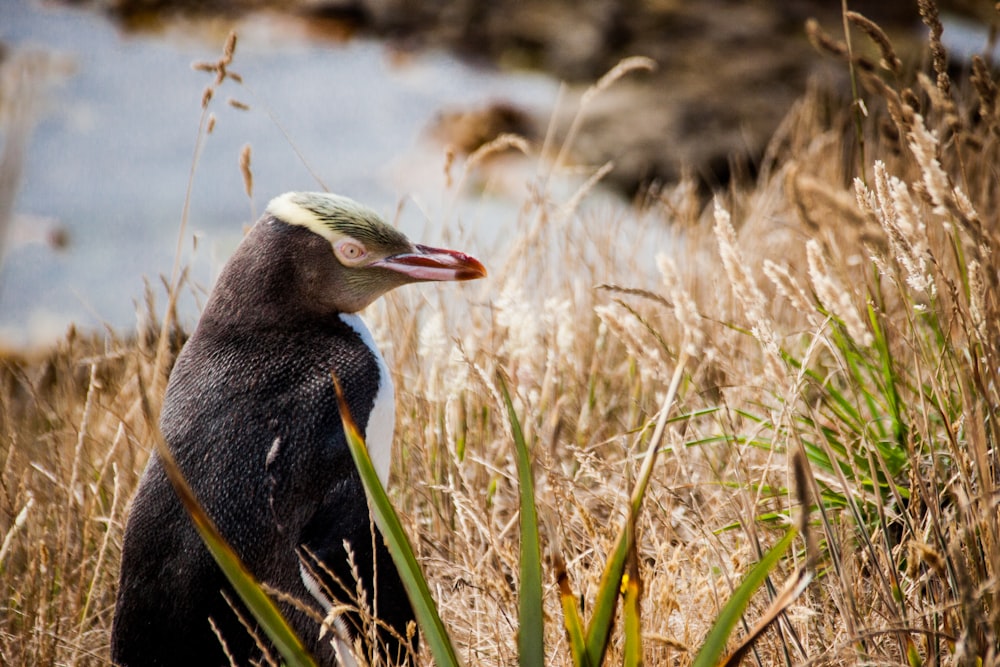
x,y
100,112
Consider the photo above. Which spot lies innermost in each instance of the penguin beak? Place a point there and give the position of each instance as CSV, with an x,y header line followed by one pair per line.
x,y
426,263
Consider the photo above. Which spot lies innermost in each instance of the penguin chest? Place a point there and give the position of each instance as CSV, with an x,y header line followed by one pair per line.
x,y
382,420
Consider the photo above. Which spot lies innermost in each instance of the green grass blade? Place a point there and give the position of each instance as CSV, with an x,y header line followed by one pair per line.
x,y
714,646
599,628
424,607
531,634
606,602
246,586
257,601
631,596
571,616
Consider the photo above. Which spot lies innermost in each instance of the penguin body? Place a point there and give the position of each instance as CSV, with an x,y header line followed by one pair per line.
x,y
251,417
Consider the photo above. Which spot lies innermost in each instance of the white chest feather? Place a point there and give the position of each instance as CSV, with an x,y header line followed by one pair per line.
x,y
382,421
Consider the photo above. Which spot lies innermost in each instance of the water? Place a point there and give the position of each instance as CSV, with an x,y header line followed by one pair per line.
x,y
109,159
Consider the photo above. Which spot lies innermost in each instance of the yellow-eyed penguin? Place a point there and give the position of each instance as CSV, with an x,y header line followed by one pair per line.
x,y
251,417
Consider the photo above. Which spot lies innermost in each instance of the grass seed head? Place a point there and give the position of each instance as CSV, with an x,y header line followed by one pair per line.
x,y
834,297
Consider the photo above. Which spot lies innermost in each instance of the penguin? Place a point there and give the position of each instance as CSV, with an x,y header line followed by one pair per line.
x,y
251,417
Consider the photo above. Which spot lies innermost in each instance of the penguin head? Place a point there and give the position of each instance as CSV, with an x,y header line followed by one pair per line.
x,y
367,257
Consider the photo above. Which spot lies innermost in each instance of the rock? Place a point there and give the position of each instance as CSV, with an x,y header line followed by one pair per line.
x,y
728,70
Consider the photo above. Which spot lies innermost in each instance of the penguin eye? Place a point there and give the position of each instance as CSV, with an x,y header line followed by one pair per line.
x,y
350,252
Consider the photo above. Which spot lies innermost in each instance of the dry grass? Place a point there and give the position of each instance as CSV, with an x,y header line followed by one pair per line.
x,y
854,320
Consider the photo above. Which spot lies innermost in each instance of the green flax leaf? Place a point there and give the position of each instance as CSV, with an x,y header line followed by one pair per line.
x,y
571,616
715,642
631,598
599,628
387,520
531,634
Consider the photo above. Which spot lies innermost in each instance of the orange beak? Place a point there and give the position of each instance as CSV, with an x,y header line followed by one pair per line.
x,y
427,263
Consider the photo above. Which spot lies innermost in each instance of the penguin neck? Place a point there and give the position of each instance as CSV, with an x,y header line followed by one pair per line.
x,y
263,285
